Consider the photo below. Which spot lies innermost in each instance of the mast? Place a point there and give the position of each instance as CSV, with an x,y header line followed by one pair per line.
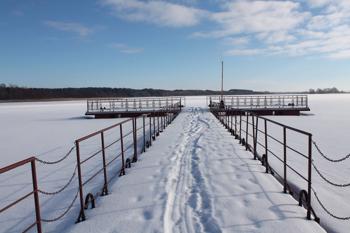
x,y
222,80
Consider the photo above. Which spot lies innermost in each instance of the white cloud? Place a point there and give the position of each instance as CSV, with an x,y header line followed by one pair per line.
x,y
123,48
156,12
73,27
256,27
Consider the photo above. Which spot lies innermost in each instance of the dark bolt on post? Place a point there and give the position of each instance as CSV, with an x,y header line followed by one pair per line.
x,y
36,197
81,194
122,171
309,178
284,160
105,186
266,147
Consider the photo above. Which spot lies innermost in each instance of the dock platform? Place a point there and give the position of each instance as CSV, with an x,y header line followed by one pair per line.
x,y
259,104
132,107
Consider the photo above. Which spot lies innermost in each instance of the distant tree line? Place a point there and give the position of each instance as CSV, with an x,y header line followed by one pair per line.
x,y
13,92
325,91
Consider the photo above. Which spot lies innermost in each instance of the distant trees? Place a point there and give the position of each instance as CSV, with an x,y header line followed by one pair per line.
x,y
13,92
325,91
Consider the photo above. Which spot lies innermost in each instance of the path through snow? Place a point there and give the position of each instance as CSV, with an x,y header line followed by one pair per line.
x,y
196,178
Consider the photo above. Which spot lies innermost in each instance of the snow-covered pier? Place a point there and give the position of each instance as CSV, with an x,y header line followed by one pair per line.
x,y
132,107
197,178
260,104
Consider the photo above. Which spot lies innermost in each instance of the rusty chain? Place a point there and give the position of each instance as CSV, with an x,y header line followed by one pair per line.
x,y
63,188
327,180
57,161
64,213
327,210
327,158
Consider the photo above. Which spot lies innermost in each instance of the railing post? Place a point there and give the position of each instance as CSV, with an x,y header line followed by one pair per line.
x,y
150,130
81,195
255,133
309,178
134,159
144,133
284,160
158,124
36,196
122,171
105,186
266,148
240,127
246,133
235,123
154,126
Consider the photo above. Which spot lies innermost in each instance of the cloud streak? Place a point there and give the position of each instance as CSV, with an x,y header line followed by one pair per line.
x,y
123,48
72,27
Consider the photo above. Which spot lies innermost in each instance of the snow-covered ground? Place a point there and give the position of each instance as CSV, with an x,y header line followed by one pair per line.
x,y
196,178
234,194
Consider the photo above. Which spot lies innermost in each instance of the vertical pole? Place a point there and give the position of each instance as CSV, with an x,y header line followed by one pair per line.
x,y
144,133
254,137
150,130
235,124
240,127
105,186
157,124
134,159
246,133
81,195
154,127
309,179
266,147
222,80
36,196
122,171
284,160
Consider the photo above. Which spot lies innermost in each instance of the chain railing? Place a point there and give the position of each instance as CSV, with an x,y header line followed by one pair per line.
x,y
132,143
327,157
255,134
244,125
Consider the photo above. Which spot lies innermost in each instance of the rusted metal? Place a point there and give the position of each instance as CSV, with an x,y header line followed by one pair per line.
x,y
266,147
81,216
122,170
36,196
309,208
105,186
284,160
134,129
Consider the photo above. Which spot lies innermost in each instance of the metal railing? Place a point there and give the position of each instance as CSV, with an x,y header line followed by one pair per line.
x,y
115,153
134,104
246,102
35,192
253,132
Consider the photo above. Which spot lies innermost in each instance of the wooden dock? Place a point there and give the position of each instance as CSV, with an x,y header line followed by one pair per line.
x,y
132,107
259,104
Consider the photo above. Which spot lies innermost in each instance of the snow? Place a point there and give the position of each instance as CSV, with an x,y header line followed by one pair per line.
x,y
195,178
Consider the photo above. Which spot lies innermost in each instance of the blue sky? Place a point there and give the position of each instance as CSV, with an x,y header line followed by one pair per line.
x,y
176,44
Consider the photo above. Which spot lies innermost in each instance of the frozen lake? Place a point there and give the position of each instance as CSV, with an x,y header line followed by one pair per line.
x,y
48,130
